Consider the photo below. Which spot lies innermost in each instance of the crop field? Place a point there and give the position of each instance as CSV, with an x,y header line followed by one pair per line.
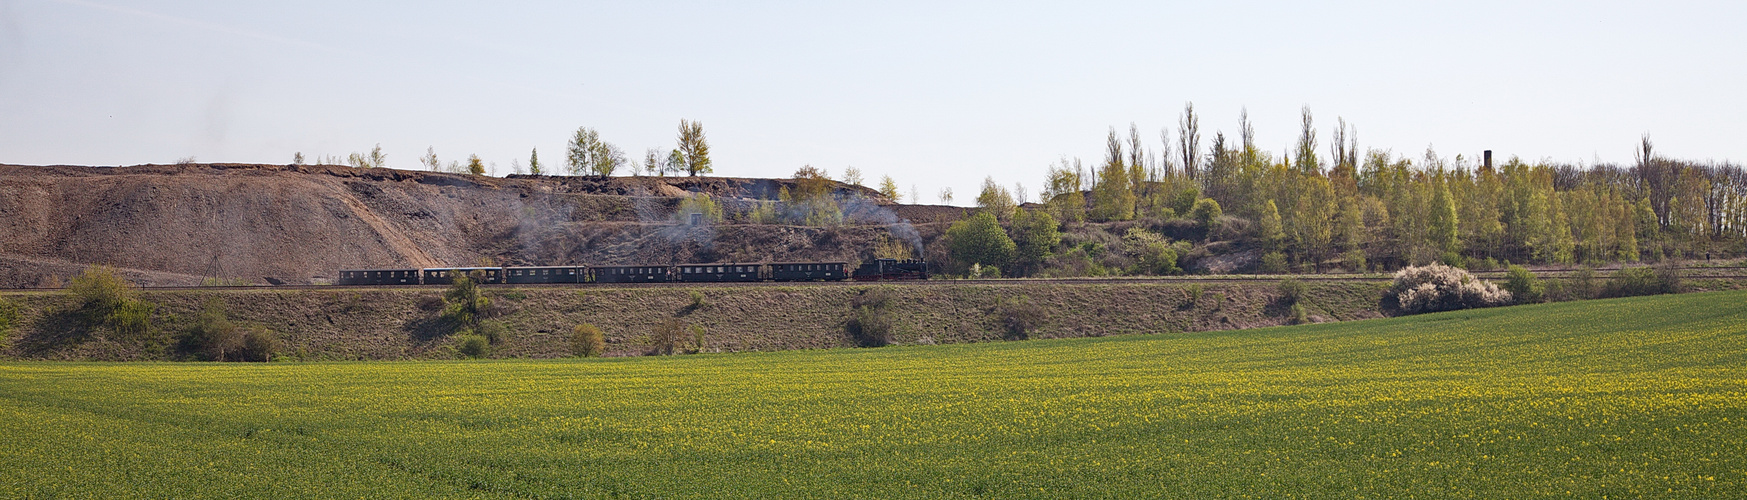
x,y
1627,398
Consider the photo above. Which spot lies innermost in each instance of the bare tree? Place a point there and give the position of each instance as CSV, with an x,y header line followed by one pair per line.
x,y
1167,163
1345,148
1246,131
430,160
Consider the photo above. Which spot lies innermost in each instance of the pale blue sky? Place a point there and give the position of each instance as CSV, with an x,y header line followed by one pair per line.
x,y
933,94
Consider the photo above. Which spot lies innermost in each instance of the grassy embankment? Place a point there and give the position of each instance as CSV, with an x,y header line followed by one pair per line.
x,y
1638,397
401,323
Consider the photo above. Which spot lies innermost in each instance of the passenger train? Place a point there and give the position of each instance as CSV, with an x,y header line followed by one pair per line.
x,y
874,270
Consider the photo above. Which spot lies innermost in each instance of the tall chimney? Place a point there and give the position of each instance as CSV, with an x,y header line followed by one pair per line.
x,y
1489,159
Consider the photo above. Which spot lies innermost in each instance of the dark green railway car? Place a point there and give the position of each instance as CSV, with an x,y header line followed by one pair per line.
x,y
446,275
719,272
378,277
809,271
545,274
631,274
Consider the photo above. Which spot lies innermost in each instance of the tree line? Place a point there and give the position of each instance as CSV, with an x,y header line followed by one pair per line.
x,y
1381,210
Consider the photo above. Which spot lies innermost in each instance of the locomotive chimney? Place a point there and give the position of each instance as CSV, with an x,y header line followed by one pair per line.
x,y
1488,160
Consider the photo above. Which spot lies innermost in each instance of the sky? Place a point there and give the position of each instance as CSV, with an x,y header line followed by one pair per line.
x,y
934,94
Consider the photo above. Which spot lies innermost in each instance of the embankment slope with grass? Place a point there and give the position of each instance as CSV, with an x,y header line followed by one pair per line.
x,y
404,323
1631,398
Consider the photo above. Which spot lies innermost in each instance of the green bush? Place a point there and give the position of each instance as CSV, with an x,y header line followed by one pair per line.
x,y
1205,212
666,336
493,331
1641,280
1153,253
698,301
587,341
697,338
1291,291
1299,314
211,336
871,319
1523,285
1018,317
97,292
133,320
258,345
470,345
698,203
1582,285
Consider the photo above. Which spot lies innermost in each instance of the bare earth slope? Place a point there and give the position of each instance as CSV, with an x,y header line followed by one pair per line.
x,y
173,224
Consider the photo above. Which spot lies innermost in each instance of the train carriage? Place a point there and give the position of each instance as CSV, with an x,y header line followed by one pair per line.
x,y
545,274
718,272
809,271
446,275
631,274
378,277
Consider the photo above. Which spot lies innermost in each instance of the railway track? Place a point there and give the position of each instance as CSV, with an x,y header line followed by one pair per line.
x,y
1723,273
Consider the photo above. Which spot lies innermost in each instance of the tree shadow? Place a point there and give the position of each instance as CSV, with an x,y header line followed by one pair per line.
x,y
54,330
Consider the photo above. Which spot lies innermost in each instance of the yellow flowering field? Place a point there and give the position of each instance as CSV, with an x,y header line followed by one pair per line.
x,y
1628,398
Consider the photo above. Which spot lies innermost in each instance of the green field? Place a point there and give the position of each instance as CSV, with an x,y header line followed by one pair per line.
x,y
1639,397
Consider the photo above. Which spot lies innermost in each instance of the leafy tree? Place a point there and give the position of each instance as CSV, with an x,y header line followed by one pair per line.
x,y
852,176
695,148
1063,195
583,147
466,307
1035,238
374,159
995,199
889,189
1113,198
1269,229
533,162
979,239
1442,220
474,166
676,162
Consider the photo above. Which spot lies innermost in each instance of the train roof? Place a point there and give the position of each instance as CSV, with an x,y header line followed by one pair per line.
x,y
463,269
813,262
375,270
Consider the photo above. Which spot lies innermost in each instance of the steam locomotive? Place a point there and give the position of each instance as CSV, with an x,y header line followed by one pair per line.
x,y
874,270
